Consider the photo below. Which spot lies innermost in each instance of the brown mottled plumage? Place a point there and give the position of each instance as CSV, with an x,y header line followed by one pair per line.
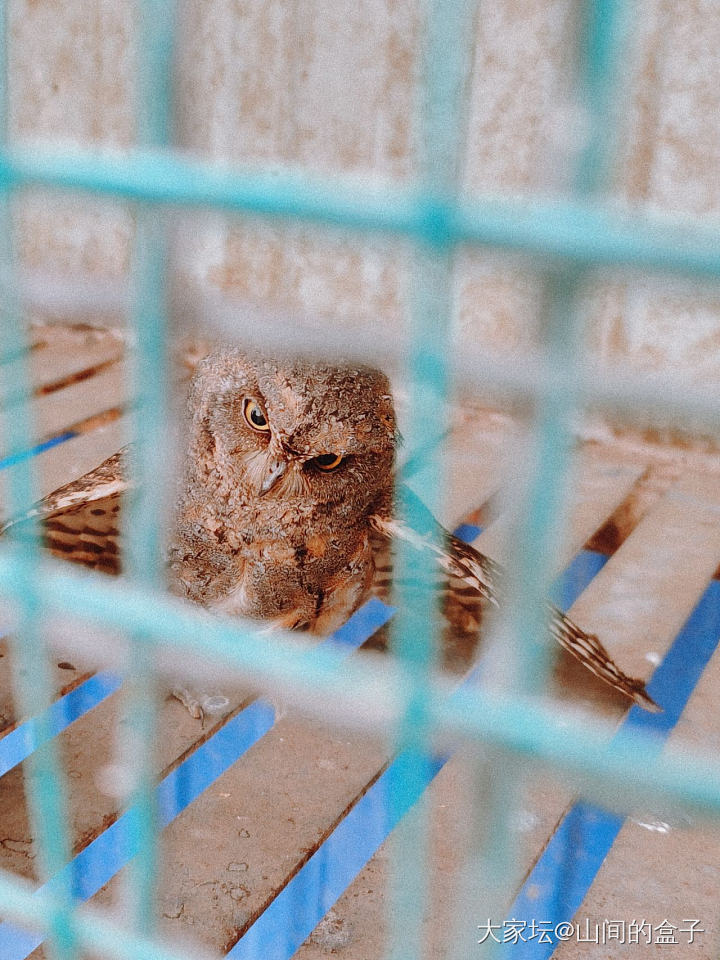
x,y
265,530
286,509
80,519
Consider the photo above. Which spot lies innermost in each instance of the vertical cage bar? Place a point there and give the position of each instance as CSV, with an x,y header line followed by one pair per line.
x,y
602,42
522,624
147,504
538,536
32,683
445,67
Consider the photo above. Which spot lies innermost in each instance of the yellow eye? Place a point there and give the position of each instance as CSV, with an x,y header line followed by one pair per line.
x,y
254,416
328,461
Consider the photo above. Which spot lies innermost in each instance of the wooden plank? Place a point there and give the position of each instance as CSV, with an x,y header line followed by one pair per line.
x,y
65,355
62,353
666,867
639,601
54,467
72,458
474,448
307,749
476,457
637,604
78,403
54,413
605,483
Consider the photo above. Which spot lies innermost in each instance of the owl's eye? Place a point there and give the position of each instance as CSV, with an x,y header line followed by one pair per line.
x,y
254,416
328,461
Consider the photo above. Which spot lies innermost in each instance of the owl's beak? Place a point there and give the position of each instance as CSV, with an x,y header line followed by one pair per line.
x,y
273,472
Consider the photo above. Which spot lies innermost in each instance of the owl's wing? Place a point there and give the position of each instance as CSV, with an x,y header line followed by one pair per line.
x,y
473,575
80,520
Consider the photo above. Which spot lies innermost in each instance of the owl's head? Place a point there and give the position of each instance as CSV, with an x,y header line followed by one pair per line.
x,y
294,429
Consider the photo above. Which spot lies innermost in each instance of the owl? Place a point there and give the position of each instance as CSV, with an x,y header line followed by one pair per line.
x,y
286,511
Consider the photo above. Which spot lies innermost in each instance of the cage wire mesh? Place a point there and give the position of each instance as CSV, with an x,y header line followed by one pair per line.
x,y
572,237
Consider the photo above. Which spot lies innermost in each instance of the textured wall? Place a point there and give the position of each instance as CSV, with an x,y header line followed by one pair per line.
x,y
330,85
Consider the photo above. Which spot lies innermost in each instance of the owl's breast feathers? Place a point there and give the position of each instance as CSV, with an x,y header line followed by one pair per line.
x,y
289,586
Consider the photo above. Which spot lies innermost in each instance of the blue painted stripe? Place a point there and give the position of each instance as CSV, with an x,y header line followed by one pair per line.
x,y
108,853
17,745
467,532
14,458
295,912
361,625
559,882
20,743
292,916
576,577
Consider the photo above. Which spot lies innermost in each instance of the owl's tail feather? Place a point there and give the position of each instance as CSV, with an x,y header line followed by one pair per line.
x,y
486,576
476,571
592,654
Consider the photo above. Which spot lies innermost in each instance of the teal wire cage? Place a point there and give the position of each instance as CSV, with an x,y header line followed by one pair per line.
x,y
571,238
